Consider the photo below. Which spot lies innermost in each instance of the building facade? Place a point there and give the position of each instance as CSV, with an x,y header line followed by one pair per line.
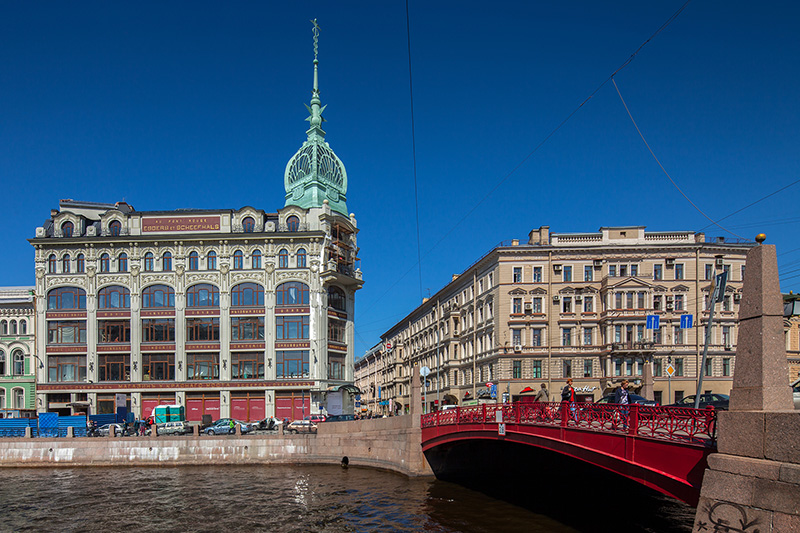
x,y
240,313
570,306
791,327
17,351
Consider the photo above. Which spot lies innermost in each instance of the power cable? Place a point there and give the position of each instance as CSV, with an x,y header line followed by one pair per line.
x,y
751,204
414,149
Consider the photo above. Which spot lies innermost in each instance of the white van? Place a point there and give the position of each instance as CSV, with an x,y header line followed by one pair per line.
x,y
174,428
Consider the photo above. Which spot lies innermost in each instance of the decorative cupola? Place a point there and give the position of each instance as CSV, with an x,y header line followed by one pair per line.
x,y
315,174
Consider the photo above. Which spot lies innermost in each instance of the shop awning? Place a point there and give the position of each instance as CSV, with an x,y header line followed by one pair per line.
x,y
348,388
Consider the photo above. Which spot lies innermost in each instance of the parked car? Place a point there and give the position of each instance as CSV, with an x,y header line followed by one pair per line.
x,y
340,418
632,398
301,426
174,428
119,430
223,427
717,401
316,418
796,393
268,423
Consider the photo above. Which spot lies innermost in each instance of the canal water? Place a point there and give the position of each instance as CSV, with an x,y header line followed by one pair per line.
x,y
306,499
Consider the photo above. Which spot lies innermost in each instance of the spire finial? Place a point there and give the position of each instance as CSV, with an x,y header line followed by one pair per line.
x,y
315,31
315,109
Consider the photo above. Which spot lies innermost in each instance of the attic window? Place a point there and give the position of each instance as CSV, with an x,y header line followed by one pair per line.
x,y
623,233
293,223
115,228
248,225
67,228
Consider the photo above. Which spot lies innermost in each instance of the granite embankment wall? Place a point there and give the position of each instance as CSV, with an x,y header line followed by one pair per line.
x,y
386,443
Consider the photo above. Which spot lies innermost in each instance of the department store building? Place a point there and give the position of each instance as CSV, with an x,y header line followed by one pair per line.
x,y
229,312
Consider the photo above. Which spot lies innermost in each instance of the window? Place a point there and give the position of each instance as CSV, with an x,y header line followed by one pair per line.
x,y
640,301
617,333
640,332
679,302
588,273
66,298
18,368
337,299
679,366
204,328
618,300
537,305
247,328
658,367
247,294
194,261
567,273
291,364
612,270
537,274
122,262
158,366
255,259
657,303
283,259
292,293
166,262
657,336
709,271
726,366
115,228
293,223
291,327
113,367
301,258
13,327
247,365
202,366
658,272
588,304
202,295
566,368
709,369
623,270
105,263
567,304
211,260
158,296
80,263
65,264
67,228
516,337
516,306
517,370
618,361
114,297
238,260
677,335
113,331
66,332
629,300
727,339
587,368
23,327
66,368
566,336
158,330
537,369
726,302
517,275
634,270
678,270
536,337
336,331
248,225
587,336
3,329
742,272
148,262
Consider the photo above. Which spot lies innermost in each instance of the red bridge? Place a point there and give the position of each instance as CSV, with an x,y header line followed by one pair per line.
x,y
664,448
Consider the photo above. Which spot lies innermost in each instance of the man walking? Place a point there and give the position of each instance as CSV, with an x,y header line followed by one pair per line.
x,y
568,395
622,397
542,395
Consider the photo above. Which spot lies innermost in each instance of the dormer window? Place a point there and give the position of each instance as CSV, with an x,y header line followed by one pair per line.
x,y
115,228
249,225
67,228
292,223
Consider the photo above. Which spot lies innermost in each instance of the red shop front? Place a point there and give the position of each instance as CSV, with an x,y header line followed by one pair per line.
x,y
248,407
150,401
293,405
199,404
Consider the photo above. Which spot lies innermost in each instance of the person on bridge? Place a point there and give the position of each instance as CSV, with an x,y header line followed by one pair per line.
x,y
568,392
622,397
542,395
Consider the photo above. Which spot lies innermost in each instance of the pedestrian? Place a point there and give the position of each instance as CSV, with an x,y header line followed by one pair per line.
x,y
622,397
232,425
568,395
542,395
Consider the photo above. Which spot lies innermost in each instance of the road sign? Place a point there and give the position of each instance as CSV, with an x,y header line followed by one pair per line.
x,y
424,371
388,346
687,321
492,390
719,289
501,429
653,321
670,370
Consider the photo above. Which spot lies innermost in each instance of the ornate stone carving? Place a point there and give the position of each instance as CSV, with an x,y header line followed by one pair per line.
x,y
149,278
292,275
240,277
65,280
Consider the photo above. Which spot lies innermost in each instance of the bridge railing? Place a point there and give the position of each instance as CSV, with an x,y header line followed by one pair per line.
x,y
681,424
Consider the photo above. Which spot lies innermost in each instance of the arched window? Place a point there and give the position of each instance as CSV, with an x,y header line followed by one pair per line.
x,y
301,258
166,262
2,367
19,399
122,262
2,398
249,225
238,260
13,327
202,295
66,298
292,293
194,261
80,263
23,327
247,294
105,263
293,223
67,228
115,228
65,264
148,262
211,260
19,363
283,259
51,264
3,327
256,259
337,299
158,296
114,297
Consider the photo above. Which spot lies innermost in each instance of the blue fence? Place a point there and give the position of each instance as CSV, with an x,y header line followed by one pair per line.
x,y
48,425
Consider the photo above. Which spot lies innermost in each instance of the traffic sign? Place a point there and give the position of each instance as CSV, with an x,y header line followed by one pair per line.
x,y
492,390
424,371
719,289
670,370
653,321
687,321
388,346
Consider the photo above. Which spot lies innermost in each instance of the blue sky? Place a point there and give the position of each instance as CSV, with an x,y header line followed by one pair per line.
x,y
200,104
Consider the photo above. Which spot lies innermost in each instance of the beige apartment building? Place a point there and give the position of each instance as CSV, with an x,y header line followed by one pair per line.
x,y
568,305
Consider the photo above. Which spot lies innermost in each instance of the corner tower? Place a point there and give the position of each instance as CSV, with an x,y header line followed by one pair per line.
x,y
315,173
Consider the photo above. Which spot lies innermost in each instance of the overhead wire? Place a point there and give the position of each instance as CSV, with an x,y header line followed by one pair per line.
x,y
414,148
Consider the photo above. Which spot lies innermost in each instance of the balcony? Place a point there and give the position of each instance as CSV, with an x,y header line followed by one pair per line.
x,y
632,347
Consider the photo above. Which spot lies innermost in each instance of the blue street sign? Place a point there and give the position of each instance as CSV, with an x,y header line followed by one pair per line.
x,y
493,390
653,321
686,321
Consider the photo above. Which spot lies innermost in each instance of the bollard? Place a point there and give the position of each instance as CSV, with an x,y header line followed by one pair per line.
x,y
196,430
28,432
112,431
70,432
238,430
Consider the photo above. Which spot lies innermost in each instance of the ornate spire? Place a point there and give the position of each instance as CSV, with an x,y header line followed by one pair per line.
x,y
315,174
